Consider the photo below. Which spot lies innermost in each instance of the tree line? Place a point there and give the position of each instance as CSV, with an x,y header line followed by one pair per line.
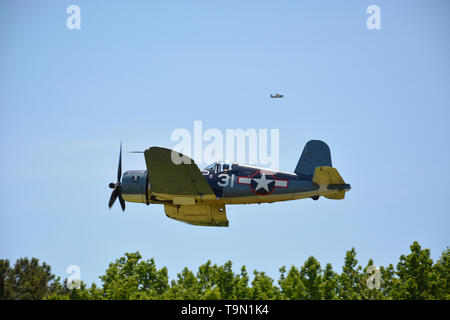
x,y
131,277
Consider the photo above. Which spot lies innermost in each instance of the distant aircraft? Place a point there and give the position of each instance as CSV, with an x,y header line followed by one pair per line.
x,y
199,197
277,95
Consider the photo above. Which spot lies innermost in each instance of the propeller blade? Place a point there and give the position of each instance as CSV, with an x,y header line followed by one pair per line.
x,y
122,202
114,194
119,171
117,192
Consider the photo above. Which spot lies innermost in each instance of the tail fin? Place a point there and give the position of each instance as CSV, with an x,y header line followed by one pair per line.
x,y
315,154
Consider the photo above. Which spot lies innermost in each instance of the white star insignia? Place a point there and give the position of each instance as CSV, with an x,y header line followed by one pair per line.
x,y
263,182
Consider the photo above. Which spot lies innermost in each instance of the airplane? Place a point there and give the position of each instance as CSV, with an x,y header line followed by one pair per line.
x,y
277,95
199,197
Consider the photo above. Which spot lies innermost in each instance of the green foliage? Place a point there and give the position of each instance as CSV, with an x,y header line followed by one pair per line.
x,y
263,288
131,277
330,289
350,278
311,275
211,282
292,287
416,278
5,289
27,280
442,272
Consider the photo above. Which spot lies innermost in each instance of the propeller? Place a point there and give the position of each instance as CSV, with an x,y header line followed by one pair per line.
x,y
117,193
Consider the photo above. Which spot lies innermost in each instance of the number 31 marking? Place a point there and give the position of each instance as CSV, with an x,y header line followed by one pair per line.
x,y
225,180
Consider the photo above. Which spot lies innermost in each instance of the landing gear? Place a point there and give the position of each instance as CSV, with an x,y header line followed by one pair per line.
x,y
315,197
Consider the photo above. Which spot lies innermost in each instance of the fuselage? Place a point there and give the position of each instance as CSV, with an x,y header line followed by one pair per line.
x,y
233,184
247,184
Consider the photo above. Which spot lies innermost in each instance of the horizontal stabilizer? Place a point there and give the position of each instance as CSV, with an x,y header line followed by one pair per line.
x,y
336,196
330,177
327,175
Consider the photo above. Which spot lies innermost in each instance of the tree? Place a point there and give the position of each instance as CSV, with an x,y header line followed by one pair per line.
x,y
242,290
330,281
129,277
263,288
416,280
350,278
186,287
371,286
206,276
292,287
27,280
311,277
5,290
225,279
388,279
442,273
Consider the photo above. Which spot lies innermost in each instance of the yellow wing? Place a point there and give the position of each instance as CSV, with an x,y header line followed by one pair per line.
x,y
183,183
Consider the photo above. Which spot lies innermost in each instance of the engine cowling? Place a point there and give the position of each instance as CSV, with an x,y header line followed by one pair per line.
x,y
136,186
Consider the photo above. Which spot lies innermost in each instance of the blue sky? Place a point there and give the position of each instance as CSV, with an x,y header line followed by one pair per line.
x,y
137,71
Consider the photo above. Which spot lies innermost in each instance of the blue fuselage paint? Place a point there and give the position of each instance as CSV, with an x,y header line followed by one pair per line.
x,y
240,184
245,181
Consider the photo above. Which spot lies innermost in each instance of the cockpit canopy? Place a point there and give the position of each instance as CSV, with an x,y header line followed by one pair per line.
x,y
219,166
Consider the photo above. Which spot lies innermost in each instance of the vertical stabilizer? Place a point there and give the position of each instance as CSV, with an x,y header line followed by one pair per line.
x,y
315,154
